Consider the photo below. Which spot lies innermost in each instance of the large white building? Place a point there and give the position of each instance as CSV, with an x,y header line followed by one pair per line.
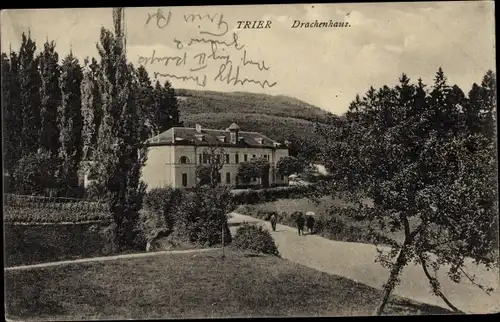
x,y
174,155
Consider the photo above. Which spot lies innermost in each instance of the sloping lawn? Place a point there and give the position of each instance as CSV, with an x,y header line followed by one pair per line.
x,y
188,286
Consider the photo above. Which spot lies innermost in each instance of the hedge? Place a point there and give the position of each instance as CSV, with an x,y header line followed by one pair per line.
x,y
250,197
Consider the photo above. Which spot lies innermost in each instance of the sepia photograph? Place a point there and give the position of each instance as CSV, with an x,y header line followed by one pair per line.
x,y
280,160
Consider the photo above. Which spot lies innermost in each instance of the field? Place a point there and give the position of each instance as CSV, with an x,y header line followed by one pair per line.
x,y
189,286
355,230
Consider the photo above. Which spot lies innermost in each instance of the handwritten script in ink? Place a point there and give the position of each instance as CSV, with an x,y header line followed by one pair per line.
x,y
211,54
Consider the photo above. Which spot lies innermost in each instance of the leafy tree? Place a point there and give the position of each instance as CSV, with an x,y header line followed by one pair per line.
x,y
165,111
254,168
71,120
50,98
91,108
11,110
289,165
404,149
145,103
204,174
247,171
263,168
203,214
213,162
303,148
36,173
489,85
120,151
29,83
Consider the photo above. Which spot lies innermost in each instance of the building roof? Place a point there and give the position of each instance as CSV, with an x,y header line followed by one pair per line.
x,y
233,126
210,137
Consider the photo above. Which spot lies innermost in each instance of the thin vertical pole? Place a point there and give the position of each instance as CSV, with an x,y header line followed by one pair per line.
x,y
223,255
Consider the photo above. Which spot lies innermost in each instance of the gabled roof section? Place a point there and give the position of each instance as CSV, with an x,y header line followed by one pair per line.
x,y
233,126
189,136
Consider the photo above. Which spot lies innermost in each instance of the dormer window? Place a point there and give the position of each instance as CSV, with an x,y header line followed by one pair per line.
x,y
199,137
221,138
259,140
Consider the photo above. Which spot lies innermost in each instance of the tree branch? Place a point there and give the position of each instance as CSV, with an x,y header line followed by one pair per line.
x,y
435,286
473,282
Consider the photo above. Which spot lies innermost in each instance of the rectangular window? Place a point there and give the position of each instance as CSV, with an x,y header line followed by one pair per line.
x,y
245,157
227,158
184,179
201,159
219,178
228,177
267,157
205,158
236,158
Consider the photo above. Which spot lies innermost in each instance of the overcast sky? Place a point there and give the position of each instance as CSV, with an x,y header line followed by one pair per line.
x,y
326,67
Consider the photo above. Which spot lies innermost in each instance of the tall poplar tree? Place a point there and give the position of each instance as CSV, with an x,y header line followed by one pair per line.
x,y
91,108
7,113
120,151
71,120
489,99
165,112
50,98
145,102
29,83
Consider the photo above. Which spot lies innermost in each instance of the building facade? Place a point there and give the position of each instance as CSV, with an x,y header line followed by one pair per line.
x,y
174,155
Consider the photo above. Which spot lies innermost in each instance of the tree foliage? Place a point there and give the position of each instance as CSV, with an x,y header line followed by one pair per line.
x,y
71,120
36,173
29,86
50,98
165,110
11,111
289,165
91,108
255,168
208,172
120,150
426,161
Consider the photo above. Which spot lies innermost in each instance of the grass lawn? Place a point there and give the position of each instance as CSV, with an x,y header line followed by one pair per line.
x,y
189,286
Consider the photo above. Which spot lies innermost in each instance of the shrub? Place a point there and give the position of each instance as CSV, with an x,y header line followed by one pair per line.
x,y
203,213
251,197
166,202
255,238
148,226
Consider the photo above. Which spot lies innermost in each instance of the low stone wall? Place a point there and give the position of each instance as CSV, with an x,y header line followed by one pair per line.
x,y
30,243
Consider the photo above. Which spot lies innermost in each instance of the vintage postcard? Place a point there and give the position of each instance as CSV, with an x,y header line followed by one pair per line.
x,y
286,160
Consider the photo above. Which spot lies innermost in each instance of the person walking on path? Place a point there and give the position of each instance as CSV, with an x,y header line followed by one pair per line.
x,y
273,219
300,222
310,223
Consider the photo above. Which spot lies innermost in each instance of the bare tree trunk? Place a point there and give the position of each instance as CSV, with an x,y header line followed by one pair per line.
x,y
400,263
435,286
392,280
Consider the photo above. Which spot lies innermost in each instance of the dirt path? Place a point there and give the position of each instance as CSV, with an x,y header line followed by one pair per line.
x,y
108,258
356,261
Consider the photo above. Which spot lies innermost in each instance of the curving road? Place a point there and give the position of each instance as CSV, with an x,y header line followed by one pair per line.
x,y
356,261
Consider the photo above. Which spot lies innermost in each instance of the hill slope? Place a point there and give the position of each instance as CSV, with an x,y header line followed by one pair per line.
x,y
279,117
